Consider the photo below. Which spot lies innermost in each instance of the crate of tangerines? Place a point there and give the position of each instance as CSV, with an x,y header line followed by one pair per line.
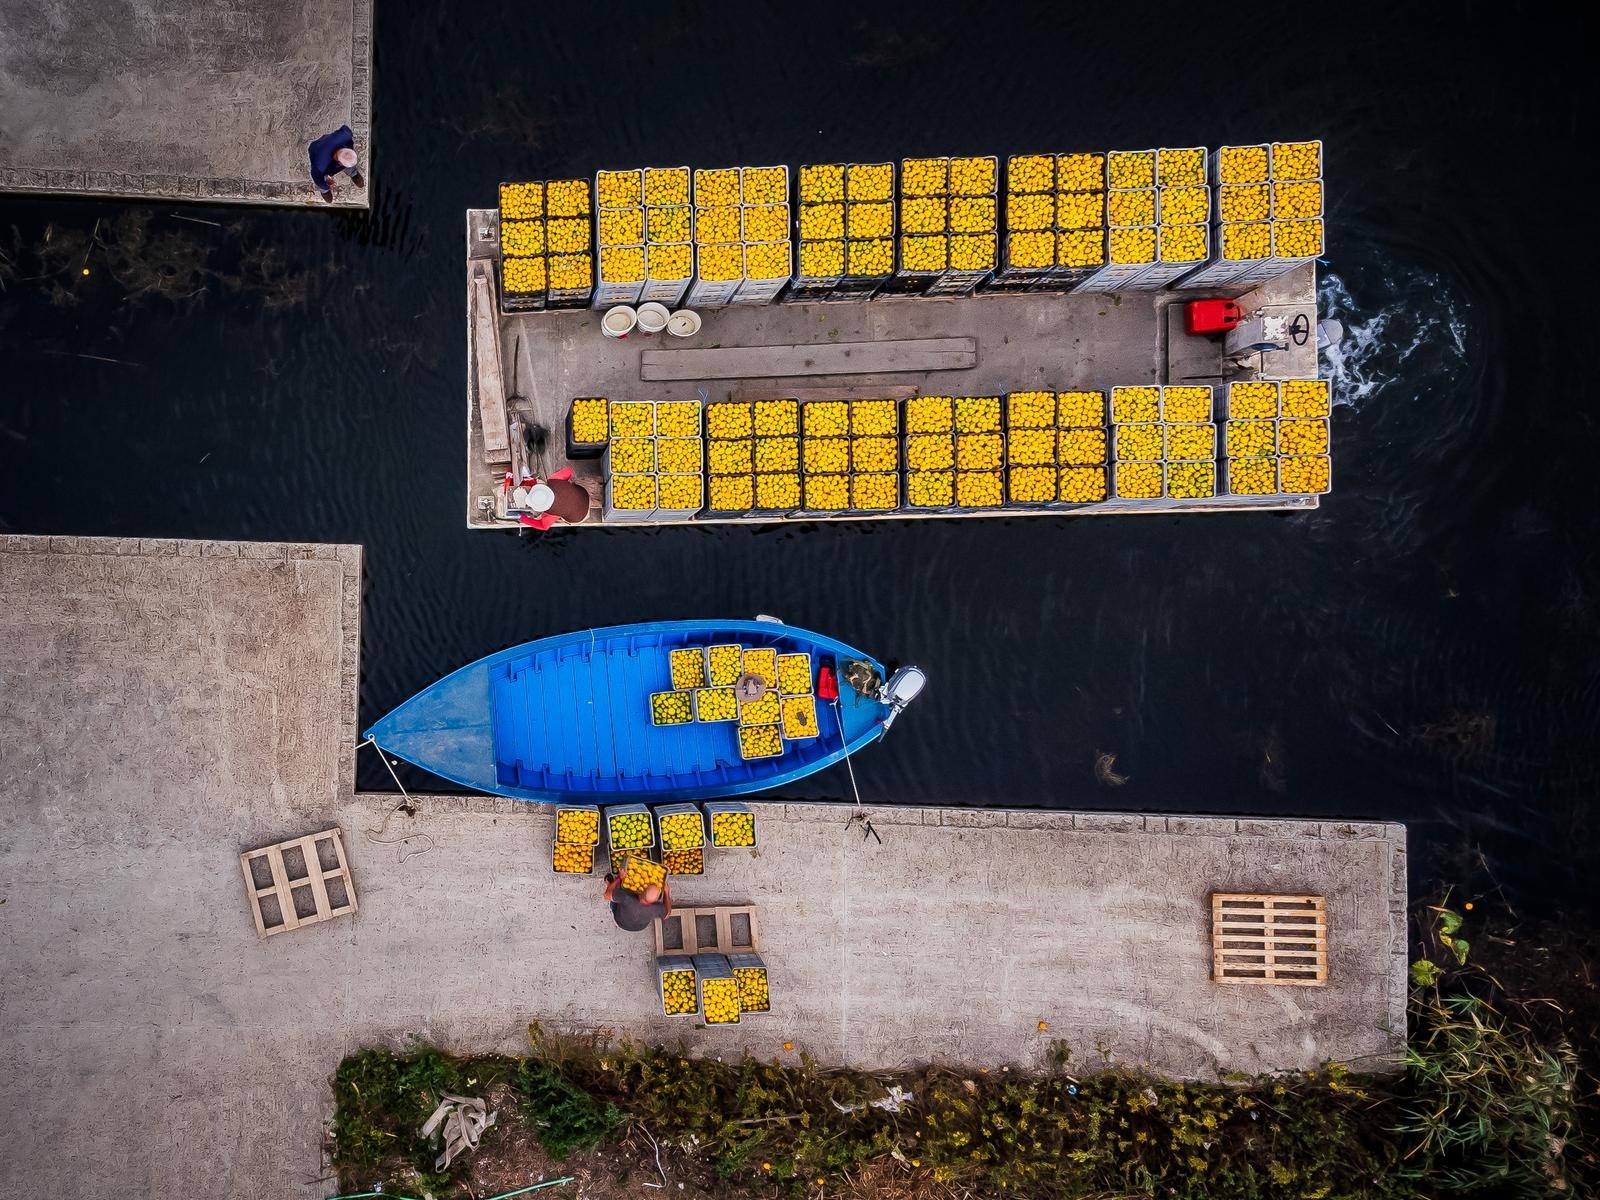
x,y
577,834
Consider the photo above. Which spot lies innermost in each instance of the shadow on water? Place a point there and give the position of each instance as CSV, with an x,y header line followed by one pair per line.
x,y
1420,648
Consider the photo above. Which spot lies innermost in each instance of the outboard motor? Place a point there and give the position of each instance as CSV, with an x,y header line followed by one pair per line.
x,y
901,689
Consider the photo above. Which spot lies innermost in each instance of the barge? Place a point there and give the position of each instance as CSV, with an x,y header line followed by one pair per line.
x,y
1000,337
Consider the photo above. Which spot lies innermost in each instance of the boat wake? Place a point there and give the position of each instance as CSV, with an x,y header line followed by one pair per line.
x,y
1422,325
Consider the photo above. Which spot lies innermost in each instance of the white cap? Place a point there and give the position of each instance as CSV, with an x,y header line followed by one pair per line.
x,y
519,497
540,498
345,156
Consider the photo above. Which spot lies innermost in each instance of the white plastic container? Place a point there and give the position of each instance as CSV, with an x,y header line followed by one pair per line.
x,y
684,323
619,321
653,318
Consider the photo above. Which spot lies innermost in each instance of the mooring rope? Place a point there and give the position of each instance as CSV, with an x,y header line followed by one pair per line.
x,y
373,835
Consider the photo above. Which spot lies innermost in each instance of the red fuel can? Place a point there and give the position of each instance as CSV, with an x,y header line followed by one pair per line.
x,y
1210,316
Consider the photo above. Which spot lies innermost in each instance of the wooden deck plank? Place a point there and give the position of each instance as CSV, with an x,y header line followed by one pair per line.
x,y
491,379
827,358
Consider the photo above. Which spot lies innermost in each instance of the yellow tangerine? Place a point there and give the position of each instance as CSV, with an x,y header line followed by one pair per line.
x,y
668,262
930,452
794,674
520,201
1081,447
1080,408
1131,207
571,272
1030,173
1081,210
977,414
590,424
1030,410
1250,439
1188,442
631,455
764,185
1139,480
714,225
1242,164
821,260
1305,476
677,993
1031,447
978,489
666,185
1081,172
680,493
731,493
684,862
978,451
678,418
629,831
1183,243
821,182
1303,436
572,860
635,493
925,215
868,417
826,418
1130,405
766,223
1191,480
578,826
1030,212
827,493
924,177
1131,169
868,258
930,489
870,220
1253,476
681,831
930,414
1081,248
1296,160
760,741
1030,251
721,263
1186,402
777,492
777,417
972,251
713,704
875,492
974,176
688,666
1139,443
768,260
800,714
1305,397
566,198
724,665
717,187
870,181
1185,205
730,457
668,224
523,276
1082,485
670,708
622,264
618,189
1247,242
1181,168
1253,399
1031,485
522,237
874,454
1243,202
728,419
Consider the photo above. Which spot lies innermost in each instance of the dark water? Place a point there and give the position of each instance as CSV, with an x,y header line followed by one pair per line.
x,y
1423,648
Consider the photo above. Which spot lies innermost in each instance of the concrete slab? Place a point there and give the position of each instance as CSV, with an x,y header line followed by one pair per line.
x,y
184,100
1023,341
161,710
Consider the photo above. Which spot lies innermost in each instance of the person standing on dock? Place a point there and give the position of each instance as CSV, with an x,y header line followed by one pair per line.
x,y
634,913
332,154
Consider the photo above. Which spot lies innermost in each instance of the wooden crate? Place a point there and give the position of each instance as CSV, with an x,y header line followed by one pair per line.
x,y
288,883
729,929
1259,938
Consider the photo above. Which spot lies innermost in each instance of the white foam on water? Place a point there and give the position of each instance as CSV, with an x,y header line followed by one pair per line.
x,y
1420,315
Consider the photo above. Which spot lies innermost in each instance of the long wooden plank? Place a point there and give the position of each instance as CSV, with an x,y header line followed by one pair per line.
x,y
828,358
491,380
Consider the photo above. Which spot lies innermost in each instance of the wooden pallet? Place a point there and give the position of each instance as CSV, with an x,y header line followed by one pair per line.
x,y
729,929
298,882
1259,938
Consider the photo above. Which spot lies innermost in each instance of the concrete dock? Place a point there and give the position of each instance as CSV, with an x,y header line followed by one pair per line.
x,y
1023,341
189,100
165,705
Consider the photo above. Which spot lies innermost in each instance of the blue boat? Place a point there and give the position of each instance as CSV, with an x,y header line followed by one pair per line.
x,y
570,717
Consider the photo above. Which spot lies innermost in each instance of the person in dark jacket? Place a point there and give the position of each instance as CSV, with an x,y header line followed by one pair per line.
x,y
331,154
632,912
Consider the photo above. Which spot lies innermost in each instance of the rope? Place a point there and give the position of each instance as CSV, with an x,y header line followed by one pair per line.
x,y
502,1196
372,835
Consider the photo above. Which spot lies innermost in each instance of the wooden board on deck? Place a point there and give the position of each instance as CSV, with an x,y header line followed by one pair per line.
x,y
826,358
1261,938
491,381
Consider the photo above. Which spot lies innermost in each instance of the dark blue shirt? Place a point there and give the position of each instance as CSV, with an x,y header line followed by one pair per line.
x,y
322,152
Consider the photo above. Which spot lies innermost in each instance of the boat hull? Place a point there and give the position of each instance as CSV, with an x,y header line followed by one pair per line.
x,y
568,718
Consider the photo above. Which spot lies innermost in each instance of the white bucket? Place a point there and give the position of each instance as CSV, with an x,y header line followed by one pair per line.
x,y
684,323
652,317
619,321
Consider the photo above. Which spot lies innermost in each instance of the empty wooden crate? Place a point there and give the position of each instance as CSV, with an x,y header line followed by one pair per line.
x,y
1259,938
